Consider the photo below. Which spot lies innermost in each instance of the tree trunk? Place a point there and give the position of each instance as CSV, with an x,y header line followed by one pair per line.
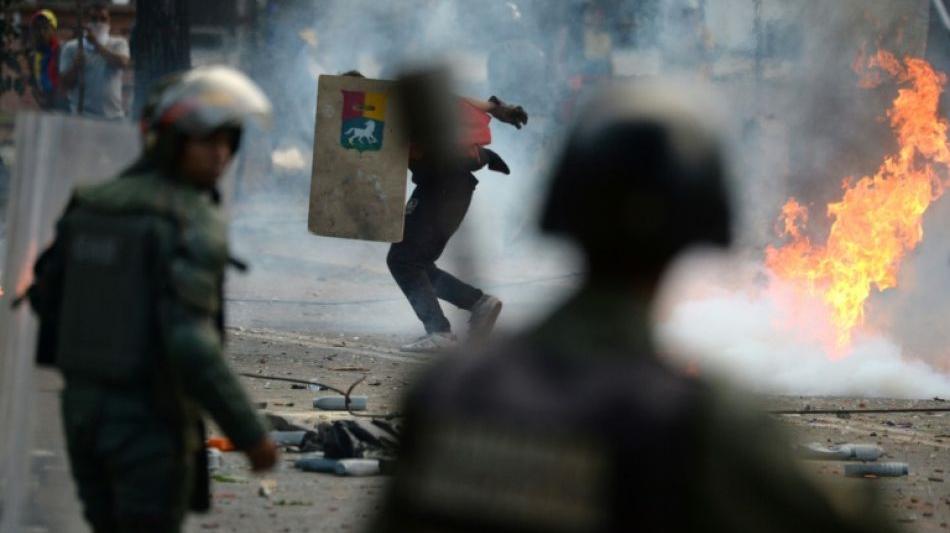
x,y
160,44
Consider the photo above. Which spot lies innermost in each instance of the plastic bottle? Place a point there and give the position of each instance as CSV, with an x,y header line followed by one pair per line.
x,y
357,467
317,464
214,458
288,438
842,452
338,403
876,469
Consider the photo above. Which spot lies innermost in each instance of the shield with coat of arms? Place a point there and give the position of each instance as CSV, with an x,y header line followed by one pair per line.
x,y
360,160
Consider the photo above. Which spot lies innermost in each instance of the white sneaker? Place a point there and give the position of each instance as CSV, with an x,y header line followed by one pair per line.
x,y
484,314
433,342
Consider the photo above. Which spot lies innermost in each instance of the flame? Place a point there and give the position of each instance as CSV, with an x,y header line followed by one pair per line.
x,y
878,219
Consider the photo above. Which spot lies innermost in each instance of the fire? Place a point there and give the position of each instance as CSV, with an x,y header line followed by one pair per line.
x,y
878,219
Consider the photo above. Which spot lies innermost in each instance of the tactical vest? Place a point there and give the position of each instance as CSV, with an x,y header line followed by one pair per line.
x,y
126,250
107,322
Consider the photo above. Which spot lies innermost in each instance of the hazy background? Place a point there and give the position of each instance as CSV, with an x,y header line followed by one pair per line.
x,y
781,85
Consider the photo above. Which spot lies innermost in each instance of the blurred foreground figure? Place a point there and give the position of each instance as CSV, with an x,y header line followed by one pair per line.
x,y
577,425
434,213
130,304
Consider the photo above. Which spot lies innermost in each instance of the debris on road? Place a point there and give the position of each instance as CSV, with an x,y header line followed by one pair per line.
x,y
338,403
221,443
214,459
266,488
841,452
320,465
876,469
357,467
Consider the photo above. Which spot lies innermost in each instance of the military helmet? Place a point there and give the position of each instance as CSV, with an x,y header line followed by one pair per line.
x,y
641,177
201,100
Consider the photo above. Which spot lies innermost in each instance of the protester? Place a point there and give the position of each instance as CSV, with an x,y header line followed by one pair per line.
x,y
92,72
44,66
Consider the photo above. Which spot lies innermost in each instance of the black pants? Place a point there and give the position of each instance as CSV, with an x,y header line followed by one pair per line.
x,y
433,214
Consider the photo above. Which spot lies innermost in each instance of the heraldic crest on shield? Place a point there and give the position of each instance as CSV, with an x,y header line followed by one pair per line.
x,y
364,115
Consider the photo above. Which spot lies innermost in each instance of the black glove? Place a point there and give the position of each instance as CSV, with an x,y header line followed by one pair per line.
x,y
514,115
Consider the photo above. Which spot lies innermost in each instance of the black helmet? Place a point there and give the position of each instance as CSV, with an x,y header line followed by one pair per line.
x,y
641,178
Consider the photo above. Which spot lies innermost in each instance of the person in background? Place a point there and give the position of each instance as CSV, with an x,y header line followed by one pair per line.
x,y
44,65
94,63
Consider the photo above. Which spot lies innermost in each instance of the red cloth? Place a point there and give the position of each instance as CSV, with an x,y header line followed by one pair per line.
x,y
474,131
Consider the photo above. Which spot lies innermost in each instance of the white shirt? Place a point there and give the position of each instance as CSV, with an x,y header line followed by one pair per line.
x,y
103,96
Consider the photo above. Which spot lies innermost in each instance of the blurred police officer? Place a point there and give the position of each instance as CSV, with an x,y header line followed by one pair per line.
x,y
130,301
577,425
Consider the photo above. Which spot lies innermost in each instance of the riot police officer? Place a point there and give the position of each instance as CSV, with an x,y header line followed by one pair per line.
x,y
130,303
577,425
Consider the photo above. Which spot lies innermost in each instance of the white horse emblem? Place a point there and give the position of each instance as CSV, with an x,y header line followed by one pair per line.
x,y
366,134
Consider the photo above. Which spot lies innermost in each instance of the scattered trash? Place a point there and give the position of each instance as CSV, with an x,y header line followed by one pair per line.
x,y
288,438
357,467
876,469
298,386
221,443
266,488
305,441
293,503
223,478
214,459
842,452
314,387
351,439
338,403
350,369
279,423
320,465
283,404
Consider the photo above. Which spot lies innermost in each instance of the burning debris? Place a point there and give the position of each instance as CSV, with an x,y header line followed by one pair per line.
x,y
878,220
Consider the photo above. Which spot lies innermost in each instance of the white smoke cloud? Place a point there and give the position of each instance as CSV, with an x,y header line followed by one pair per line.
x,y
741,328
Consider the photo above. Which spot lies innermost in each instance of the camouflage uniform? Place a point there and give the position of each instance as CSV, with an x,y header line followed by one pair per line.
x,y
137,372
130,299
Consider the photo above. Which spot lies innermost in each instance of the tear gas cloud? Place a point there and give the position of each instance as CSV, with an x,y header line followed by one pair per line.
x,y
794,118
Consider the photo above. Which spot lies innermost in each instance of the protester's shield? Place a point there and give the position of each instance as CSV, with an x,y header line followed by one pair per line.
x,y
360,159
53,154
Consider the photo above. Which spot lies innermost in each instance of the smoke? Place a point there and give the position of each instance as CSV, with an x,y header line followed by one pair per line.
x,y
730,320
795,120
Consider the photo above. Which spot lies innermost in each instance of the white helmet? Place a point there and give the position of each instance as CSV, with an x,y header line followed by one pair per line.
x,y
203,99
